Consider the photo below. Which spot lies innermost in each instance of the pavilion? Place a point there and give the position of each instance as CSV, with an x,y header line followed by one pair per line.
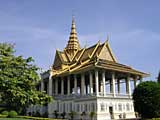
x,y
79,78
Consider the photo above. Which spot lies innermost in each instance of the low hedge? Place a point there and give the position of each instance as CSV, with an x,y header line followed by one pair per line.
x,y
3,116
38,118
12,114
152,119
29,117
4,113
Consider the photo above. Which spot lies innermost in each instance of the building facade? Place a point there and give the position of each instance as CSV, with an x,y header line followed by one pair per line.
x,y
89,80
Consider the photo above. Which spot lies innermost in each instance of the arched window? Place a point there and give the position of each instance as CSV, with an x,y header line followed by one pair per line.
x,y
127,107
92,107
58,106
102,107
78,108
106,107
64,108
123,106
81,108
115,106
120,107
70,106
132,106
85,107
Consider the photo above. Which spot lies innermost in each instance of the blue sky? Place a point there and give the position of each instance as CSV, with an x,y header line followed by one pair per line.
x,y
39,27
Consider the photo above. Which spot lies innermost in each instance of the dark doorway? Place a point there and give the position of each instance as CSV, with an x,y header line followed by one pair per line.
x,y
111,112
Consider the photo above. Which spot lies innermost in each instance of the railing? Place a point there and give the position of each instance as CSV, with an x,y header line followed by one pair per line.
x,y
79,96
119,95
123,96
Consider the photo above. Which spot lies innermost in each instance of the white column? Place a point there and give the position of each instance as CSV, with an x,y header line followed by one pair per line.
x,y
91,82
50,85
82,84
104,82
128,86
42,85
68,85
62,86
56,86
75,84
113,84
97,82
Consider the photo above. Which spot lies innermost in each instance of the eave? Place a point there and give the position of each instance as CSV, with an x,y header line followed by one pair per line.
x,y
108,65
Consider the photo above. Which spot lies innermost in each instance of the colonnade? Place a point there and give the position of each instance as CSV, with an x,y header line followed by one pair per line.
x,y
96,84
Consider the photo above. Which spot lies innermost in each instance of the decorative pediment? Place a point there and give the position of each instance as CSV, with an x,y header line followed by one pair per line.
x,y
106,53
57,61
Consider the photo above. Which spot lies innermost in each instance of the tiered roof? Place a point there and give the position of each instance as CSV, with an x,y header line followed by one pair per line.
x,y
75,59
73,43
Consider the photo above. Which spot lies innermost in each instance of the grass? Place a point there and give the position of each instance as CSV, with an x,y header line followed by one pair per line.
x,y
13,119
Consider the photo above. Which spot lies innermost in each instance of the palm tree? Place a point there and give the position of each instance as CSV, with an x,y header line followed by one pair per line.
x,y
92,114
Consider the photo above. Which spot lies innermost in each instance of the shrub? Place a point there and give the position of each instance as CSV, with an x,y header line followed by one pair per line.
x,y
56,114
4,113
3,116
146,99
2,109
12,114
72,114
92,114
63,115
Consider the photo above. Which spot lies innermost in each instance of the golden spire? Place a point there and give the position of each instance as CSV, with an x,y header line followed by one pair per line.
x,y
73,43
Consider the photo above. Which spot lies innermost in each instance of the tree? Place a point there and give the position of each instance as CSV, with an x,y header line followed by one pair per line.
x,y
146,98
158,79
18,80
92,114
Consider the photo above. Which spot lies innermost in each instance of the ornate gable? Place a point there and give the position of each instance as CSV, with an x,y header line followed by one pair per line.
x,y
57,61
106,53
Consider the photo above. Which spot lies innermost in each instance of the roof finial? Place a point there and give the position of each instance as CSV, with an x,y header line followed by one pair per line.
x,y
73,43
73,28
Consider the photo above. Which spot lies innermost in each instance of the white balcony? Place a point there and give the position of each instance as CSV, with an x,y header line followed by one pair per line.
x,y
78,96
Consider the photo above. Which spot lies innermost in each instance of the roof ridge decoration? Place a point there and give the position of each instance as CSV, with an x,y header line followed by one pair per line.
x,y
74,56
81,54
73,44
95,49
68,56
58,52
110,50
58,60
